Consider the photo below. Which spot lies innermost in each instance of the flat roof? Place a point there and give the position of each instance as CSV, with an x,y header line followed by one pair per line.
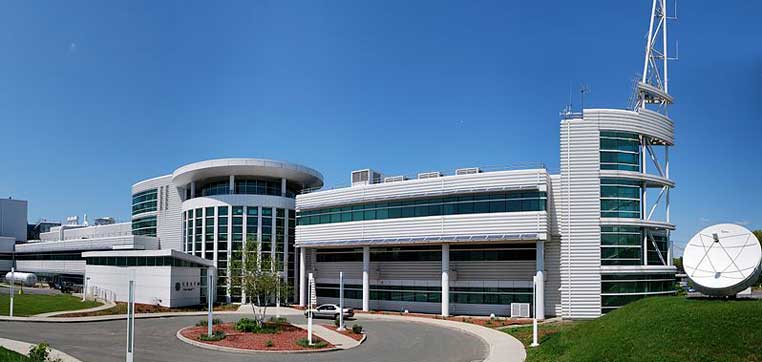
x,y
161,252
306,176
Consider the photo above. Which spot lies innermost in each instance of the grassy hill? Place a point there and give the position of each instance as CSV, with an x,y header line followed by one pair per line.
x,y
657,329
31,304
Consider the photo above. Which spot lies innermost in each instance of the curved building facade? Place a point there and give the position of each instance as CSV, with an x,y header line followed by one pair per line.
x,y
614,211
212,208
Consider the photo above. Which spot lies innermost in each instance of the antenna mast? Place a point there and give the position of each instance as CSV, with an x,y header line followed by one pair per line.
x,y
653,87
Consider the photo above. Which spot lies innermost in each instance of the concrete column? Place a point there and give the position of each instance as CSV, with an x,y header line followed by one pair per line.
x,y
283,187
540,280
193,189
365,278
302,277
445,280
231,185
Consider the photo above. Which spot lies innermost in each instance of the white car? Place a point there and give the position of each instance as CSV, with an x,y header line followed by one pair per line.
x,y
329,311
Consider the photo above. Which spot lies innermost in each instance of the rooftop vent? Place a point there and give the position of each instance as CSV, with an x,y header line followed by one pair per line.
x,y
424,175
365,177
394,179
467,171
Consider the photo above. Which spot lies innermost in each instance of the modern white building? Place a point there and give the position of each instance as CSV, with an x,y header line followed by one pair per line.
x,y
470,242
167,277
12,230
210,209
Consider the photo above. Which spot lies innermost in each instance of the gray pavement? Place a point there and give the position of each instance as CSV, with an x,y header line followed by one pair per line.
x,y
155,341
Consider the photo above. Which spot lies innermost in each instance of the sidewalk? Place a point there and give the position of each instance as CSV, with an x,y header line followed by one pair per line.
x,y
105,306
23,348
335,338
502,347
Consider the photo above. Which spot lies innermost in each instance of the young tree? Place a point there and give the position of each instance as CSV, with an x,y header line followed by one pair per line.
x,y
258,277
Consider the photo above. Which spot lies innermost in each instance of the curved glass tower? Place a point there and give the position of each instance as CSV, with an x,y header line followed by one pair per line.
x,y
211,209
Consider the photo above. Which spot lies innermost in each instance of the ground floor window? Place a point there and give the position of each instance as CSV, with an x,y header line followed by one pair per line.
x,y
424,294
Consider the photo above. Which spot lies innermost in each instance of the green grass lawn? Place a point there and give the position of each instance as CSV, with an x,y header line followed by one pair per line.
x,y
31,304
10,356
656,329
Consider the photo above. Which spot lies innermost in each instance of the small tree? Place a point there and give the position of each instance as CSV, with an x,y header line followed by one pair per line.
x,y
258,277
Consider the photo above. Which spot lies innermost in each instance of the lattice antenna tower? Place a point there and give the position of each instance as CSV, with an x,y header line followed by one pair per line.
x,y
653,88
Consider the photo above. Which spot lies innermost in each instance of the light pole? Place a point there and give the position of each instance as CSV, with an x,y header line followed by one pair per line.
x,y
84,290
341,302
209,301
277,296
131,319
534,307
13,282
309,308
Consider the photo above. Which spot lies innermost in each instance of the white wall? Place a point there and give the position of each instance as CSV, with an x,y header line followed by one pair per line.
x,y
153,285
13,222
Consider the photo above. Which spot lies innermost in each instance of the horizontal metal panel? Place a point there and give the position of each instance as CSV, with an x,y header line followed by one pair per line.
x,y
51,266
579,217
535,222
643,121
107,243
534,179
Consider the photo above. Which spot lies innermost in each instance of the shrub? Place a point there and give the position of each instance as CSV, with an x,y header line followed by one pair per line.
x,y
304,342
336,322
269,343
279,320
250,325
356,329
204,322
39,352
217,335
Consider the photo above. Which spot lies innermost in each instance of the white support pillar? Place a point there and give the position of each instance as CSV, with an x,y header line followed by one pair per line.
x,y
231,185
301,276
283,187
365,278
539,306
192,188
445,280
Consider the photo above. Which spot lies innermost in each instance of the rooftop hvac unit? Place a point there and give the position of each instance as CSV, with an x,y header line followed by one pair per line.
x,y
424,175
365,177
467,171
394,179
520,310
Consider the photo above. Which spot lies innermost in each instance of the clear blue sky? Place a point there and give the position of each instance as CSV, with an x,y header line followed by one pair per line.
x,y
95,96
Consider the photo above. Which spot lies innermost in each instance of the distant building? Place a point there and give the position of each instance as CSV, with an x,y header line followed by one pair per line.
x,y
42,226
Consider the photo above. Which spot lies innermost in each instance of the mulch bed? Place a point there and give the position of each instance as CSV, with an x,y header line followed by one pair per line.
x,y
347,332
284,340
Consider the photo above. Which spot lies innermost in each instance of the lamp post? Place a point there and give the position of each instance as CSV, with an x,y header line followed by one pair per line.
x,y
534,307
84,290
209,301
341,302
13,282
277,295
309,308
131,318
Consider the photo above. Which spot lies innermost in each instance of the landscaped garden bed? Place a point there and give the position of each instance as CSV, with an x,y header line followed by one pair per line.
x,y
245,334
354,333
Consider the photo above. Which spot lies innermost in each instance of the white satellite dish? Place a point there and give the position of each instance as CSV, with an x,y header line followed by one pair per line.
x,y
723,259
